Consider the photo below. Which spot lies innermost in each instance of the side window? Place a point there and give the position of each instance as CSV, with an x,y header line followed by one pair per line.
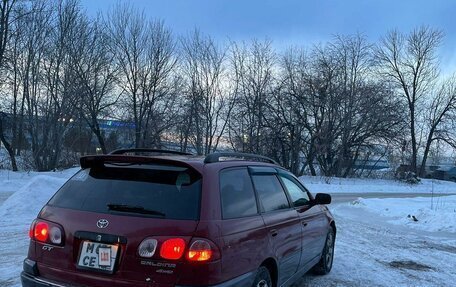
x,y
270,192
297,194
238,198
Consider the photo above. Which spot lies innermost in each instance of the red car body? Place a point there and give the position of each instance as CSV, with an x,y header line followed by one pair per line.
x,y
287,242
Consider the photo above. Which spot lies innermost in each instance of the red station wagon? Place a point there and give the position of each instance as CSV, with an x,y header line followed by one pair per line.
x,y
173,219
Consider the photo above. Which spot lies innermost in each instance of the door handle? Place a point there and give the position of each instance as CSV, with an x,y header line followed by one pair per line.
x,y
273,232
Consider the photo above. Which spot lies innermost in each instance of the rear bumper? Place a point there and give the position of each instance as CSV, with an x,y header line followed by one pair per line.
x,y
30,276
28,280
241,281
34,281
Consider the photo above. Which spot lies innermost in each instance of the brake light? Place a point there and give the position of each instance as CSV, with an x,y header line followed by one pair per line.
x,y
46,232
172,249
41,231
32,230
200,250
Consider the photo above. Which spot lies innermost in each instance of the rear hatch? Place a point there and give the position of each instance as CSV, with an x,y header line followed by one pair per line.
x,y
106,211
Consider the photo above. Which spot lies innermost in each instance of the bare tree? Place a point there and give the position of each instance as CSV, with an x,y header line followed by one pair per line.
x,y
48,78
6,18
253,79
409,62
95,75
208,101
440,118
369,114
332,110
145,56
286,133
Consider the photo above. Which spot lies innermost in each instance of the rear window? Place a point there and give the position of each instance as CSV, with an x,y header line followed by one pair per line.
x,y
163,191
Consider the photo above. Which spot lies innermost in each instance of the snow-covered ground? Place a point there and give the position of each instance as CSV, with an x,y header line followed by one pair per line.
x,y
379,247
378,243
421,213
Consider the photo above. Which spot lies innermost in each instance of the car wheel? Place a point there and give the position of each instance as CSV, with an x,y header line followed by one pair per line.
x,y
325,264
262,278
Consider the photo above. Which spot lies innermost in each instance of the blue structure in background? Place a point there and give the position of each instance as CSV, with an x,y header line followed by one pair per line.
x,y
114,125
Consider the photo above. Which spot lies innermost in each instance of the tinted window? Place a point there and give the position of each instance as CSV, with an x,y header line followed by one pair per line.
x,y
172,191
270,193
297,194
238,197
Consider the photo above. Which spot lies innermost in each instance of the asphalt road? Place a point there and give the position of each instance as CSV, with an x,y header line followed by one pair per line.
x,y
347,197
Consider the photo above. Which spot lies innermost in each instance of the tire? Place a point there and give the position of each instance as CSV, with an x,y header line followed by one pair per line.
x,y
262,278
327,256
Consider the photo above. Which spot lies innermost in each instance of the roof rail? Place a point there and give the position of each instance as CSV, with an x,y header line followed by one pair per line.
x,y
149,150
215,157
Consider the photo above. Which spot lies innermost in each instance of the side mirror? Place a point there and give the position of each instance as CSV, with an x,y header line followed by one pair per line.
x,y
322,198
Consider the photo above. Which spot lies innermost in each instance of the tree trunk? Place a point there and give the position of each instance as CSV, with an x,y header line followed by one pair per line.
x,y
426,151
100,139
8,147
413,135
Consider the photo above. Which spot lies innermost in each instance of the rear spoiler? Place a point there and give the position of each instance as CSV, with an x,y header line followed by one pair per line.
x,y
101,160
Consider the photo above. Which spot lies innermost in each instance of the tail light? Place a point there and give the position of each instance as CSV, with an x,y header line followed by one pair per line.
x,y
172,249
41,232
46,232
32,230
203,250
200,250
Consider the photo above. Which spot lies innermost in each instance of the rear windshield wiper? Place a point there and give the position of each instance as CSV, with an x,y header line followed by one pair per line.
x,y
134,209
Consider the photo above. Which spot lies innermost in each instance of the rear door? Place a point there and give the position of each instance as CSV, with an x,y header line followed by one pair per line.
x,y
314,223
282,221
244,234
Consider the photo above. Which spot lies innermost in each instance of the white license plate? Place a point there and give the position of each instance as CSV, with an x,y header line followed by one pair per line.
x,y
98,256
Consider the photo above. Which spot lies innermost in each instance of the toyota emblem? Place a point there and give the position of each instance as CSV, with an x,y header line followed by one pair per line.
x,y
102,223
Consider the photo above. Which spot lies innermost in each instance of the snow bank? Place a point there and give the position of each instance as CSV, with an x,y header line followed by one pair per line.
x,y
11,181
361,185
31,192
29,199
422,213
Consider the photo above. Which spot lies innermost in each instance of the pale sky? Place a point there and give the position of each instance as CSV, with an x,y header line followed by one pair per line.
x,y
299,22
